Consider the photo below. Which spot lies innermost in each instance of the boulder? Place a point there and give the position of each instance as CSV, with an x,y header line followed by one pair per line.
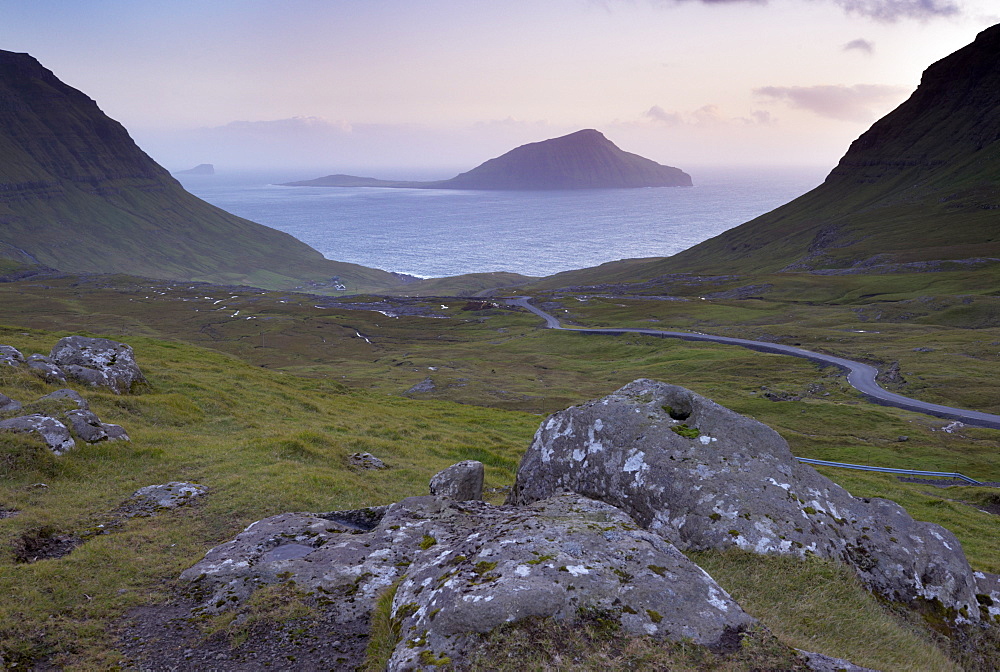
x,y
464,568
115,432
53,432
69,395
8,405
10,356
86,425
154,498
704,477
46,368
98,362
365,461
460,482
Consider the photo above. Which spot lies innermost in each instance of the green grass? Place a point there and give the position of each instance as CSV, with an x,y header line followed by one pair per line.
x,y
269,428
263,442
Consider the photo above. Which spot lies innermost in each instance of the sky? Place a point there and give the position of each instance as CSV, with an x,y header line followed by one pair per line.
x,y
406,88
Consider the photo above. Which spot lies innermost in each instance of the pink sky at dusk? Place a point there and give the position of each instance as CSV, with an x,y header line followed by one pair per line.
x,y
442,85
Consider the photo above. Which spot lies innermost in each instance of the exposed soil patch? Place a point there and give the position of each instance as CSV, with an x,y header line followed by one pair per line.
x,y
166,637
44,543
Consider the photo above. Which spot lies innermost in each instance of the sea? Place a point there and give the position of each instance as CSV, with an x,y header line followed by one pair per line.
x,y
434,233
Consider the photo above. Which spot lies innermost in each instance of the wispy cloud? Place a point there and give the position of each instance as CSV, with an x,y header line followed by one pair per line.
x,y
862,45
847,103
880,10
707,115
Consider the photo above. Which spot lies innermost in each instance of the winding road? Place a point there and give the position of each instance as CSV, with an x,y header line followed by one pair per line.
x,y
860,376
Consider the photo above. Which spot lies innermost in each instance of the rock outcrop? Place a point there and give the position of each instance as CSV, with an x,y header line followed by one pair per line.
x,y
705,477
464,568
54,433
98,362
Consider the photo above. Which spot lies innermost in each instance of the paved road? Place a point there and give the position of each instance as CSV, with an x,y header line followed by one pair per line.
x,y
860,376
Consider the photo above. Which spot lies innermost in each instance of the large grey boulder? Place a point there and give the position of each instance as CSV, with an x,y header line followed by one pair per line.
x,y
465,568
46,368
98,362
461,481
705,477
54,433
8,405
10,356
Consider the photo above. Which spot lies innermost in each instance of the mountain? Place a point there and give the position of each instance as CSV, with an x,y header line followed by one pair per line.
x,y
78,195
919,191
200,169
582,160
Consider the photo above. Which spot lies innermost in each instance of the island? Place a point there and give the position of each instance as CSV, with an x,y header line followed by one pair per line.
x,y
581,160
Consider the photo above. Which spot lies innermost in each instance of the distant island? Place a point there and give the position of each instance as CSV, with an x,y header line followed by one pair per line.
x,y
200,169
582,160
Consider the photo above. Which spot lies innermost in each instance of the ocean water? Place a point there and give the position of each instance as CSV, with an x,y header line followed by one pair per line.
x,y
434,233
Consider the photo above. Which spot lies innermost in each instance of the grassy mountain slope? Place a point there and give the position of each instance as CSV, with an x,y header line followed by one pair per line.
x,y
922,185
77,194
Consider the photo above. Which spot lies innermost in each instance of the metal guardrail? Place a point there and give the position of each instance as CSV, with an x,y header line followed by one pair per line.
x,y
890,470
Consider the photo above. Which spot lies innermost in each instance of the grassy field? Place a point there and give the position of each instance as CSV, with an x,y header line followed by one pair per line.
x,y
265,411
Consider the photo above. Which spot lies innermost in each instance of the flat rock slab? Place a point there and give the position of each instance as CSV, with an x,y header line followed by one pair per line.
x,y
705,477
465,568
8,405
154,498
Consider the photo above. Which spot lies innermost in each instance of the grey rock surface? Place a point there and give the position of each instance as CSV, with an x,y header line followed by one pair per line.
x,y
115,432
54,433
10,356
86,425
365,461
154,498
68,395
819,662
99,362
462,481
465,568
705,477
46,368
8,405
425,385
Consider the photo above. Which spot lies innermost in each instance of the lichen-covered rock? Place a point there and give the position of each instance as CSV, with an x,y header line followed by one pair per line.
x,y
98,362
54,433
465,568
8,405
461,481
67,395
705,477
154,498
115,432
10,356
365,461
86,425
46,368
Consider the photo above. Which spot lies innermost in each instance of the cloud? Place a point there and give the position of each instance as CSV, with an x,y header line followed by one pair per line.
x,y
881,10
893,10
705,116
661,116
847,103
860,44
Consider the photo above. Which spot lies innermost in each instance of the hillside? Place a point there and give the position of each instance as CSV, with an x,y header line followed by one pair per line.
x,y
921,187
78,195
582,160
